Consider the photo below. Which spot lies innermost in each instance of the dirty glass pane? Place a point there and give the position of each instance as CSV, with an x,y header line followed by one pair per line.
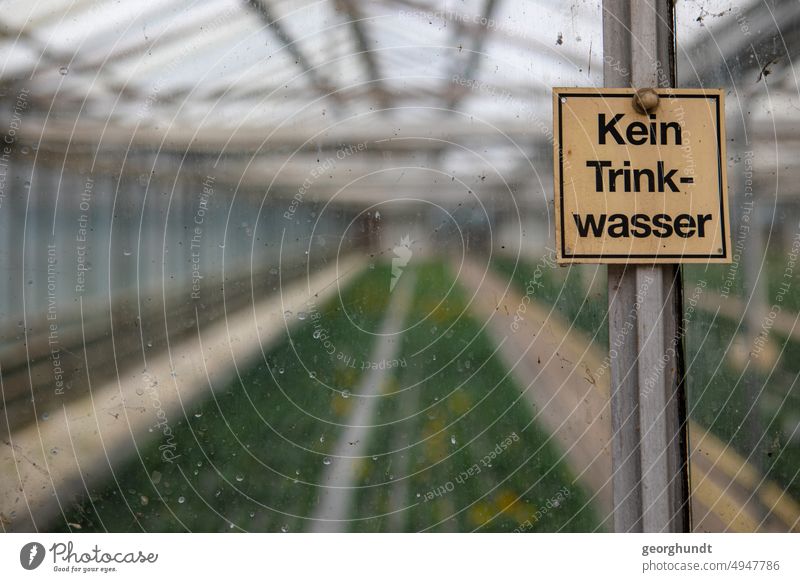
x,y
741,319
287,266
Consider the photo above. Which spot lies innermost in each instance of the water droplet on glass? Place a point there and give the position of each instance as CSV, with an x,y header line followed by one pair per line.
x,y
316,334
345,393
375,458
284,528
181,499
45,416
287,314
273,271
63,71
452,439
240,478
326,461
126,252
301,315
198,414
155,477
322,438
280,370
144,499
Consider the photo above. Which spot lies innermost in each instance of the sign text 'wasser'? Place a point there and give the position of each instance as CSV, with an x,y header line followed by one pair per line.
x,y
634,186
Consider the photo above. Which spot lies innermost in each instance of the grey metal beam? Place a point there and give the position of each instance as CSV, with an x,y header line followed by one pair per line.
x,y
625,456
355,180
418,135
180,35
474,56
261,7
658,313
249,91
474,29
46,55
370,62
649,444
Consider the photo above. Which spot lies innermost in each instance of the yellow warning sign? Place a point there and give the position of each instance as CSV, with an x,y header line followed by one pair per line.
x,y
634,186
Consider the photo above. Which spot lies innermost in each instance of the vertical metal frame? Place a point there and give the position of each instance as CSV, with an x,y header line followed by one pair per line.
x,y
649,444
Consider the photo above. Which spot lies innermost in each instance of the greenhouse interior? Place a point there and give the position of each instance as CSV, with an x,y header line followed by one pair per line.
x,y
289,266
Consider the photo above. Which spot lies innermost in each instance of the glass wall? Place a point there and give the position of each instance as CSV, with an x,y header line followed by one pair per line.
x,y
287,266
743,337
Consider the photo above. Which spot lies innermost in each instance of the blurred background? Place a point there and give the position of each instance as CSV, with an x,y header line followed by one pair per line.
x,y
287,266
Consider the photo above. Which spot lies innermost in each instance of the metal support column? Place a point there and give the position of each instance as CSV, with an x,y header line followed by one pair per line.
x,y
649,454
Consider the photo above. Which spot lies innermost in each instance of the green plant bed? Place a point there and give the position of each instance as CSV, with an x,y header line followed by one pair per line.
x,y
465,406
248,457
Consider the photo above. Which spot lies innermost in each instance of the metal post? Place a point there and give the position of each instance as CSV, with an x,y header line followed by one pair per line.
x,y
650,479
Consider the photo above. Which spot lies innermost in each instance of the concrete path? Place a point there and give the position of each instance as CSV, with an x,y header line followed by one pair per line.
x,y
335,503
